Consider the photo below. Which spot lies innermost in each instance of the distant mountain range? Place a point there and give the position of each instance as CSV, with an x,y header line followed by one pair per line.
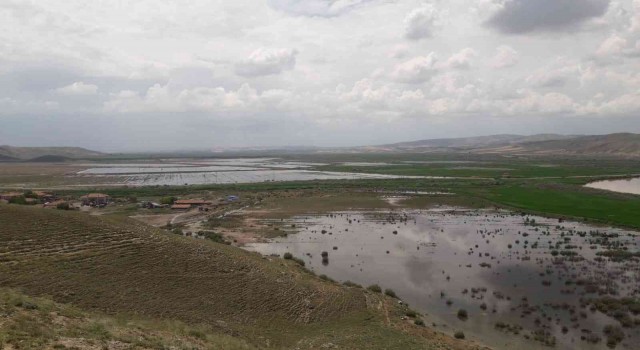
x,y
618,145
622,144
44,154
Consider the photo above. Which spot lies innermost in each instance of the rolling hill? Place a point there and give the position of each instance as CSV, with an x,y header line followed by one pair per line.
x,y
128,270
621,144
4,158
474,142
26,153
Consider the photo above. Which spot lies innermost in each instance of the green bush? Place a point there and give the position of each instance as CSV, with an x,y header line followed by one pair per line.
x,y
287,256
351,284
213,236
411,313
18,200
462,314
375,288
390,293
418,322
299,261
63,206
458,335
168,200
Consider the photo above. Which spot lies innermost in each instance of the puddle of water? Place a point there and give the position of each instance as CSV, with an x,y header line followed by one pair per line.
x,y
494,265
624,185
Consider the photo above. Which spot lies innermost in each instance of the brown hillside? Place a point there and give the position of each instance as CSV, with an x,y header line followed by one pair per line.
x,y
116,266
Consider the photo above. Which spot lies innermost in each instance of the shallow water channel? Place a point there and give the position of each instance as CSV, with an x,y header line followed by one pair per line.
x,y
506,270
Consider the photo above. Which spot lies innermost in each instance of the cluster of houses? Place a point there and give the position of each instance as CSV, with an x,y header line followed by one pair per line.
x,y
50,200
188,204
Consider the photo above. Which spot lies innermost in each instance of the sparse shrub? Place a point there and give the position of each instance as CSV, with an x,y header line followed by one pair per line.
x,y
18,200
375,288
351,284
614,335
299,261
462,314
390,293
213,236
419,322
325,278
458,335
411,313
63,206
287,256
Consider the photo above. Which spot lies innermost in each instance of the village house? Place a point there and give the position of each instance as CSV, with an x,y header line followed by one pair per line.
x,y
95,199
181,207
45,197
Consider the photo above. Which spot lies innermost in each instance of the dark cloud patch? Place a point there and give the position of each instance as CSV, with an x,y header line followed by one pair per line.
x,y
524,16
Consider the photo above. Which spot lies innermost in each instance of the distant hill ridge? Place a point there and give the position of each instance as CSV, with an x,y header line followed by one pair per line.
x,y
9,153
478,141
619,144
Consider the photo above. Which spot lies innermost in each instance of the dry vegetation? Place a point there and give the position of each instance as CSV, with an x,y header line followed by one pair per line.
x,y
127,269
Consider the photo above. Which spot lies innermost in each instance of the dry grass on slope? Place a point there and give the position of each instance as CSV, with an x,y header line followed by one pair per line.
x,y
129,270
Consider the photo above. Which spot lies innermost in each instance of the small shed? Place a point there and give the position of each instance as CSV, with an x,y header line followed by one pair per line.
x,y
181,206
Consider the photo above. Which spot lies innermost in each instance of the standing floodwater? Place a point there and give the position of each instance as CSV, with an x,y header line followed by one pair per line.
x,y
525,282
623,185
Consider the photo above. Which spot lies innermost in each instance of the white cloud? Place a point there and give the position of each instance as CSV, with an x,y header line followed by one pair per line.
x,y
420,23
312,8
555,75
416,70
78,89
505,57
354,64
462,59
267,62
613,45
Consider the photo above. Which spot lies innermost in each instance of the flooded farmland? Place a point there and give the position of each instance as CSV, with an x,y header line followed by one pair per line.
x,y
624,185
505,279
222,171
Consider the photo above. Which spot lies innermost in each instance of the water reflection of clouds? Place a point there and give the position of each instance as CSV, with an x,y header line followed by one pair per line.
x,y
419,275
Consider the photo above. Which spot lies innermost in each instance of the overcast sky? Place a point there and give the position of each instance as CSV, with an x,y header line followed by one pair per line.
x,y
118,75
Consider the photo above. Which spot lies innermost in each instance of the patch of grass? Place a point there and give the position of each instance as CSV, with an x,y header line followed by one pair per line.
x,y
569,201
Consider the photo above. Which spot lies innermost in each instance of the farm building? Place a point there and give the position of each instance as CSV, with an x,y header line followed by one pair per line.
x,y
181,206
95,199
44,196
